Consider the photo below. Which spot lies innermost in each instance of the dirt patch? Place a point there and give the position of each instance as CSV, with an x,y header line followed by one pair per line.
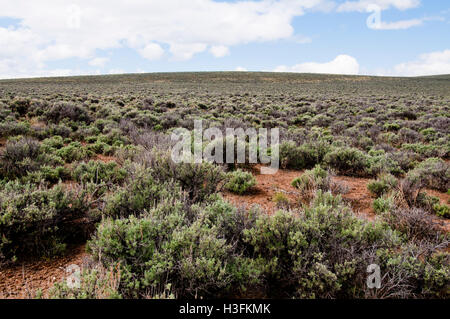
x,y
358,195
22,281
443,197
267,186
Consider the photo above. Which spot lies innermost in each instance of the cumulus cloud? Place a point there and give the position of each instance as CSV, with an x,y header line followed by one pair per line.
x,y
241,69
151,51
433,63
51,30
342,64
219,51
364,5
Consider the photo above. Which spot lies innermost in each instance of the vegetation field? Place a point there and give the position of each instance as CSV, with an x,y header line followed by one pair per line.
x,y
86,179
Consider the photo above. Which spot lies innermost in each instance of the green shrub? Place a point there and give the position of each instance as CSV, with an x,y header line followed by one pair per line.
x,y
52,143
240,182
197,180
19,157
64,110
378,163
10,128
73,152
382,185
433,173
281,200
48,174
140,193
307,255
36,220
304,156
311,181
170,246
97,172
442,210
425,150
383,204
347,161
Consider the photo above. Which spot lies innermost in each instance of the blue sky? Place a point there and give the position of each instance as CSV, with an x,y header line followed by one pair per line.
x,y
55,37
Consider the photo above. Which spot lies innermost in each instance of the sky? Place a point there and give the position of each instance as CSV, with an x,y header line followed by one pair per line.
x,y
84,37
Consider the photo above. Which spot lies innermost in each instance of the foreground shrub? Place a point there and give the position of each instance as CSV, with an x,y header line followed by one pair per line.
x,y
170,246
38,221
214,250
240,182
308,254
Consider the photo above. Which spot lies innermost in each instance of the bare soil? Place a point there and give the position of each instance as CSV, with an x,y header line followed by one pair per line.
x,y
22,281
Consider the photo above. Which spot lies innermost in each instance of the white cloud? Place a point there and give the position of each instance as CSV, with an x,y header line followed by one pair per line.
x,y
51,30
219,51
342,64
99,62
364,5
241,69
433,63
151,51
398,25
182,52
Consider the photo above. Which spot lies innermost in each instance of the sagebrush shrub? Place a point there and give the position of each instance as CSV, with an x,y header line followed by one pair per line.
x,y
19,157
168,245
36,220
97,172
64,110
141,192
433,173
347,161
240,182
197,180
382,185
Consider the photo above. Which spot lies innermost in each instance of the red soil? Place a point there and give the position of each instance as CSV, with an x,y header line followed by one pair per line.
x,y
358,195
105,159
22,281
267,186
